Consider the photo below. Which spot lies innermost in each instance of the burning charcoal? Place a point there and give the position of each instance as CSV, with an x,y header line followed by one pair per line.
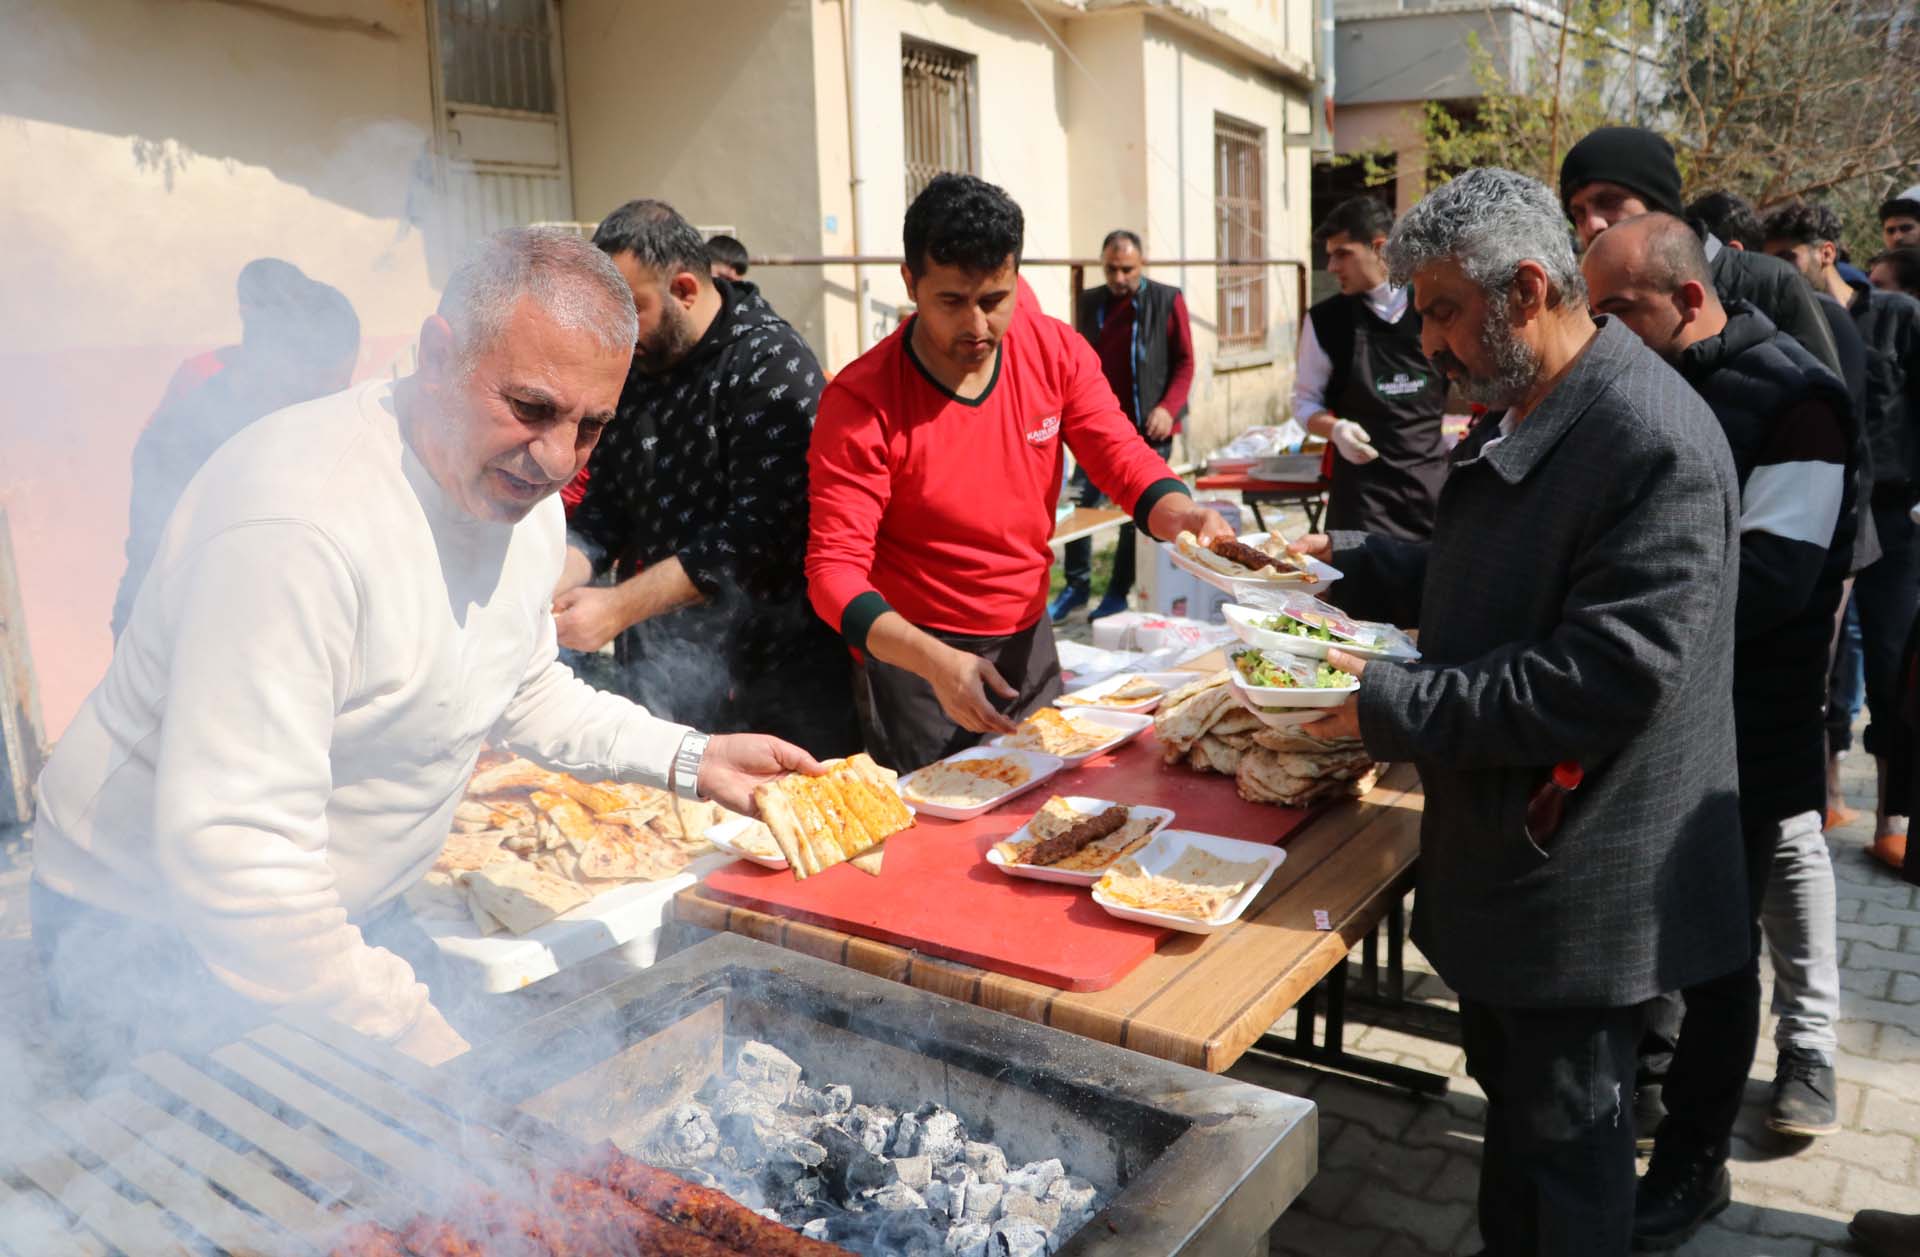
x,y
968,1239
794,1148
686,1138
895,1196
867,1172
808,1190
838,1098
983,1201
907,1233
915,1172
873,1126
940,1199
1075,1196
1018,1204
942,1137
768,1070
987,1161
1035,1177
906,1137
815,1230
1017,1237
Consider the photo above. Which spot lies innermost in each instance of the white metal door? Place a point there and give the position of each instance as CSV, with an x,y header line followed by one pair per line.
x,y
500,115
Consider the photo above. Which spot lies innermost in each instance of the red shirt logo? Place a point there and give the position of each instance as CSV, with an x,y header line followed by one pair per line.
x,y
1049,428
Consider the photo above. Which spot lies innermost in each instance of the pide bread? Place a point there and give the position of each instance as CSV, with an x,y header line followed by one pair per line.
x,y
1198,885
822,821
1244,562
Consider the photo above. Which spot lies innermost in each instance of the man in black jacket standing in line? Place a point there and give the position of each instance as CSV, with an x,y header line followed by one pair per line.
x,y
1616,173
1788,422
1139,328
697,502
1577,610
1887,593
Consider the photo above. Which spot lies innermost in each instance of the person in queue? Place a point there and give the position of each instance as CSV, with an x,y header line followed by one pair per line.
x,y
1896,270
1363,384
1887,594
1615,173
351,597
727,258
697,502
1789,422
1139,327
1571,716
936,464
1900,219
299,340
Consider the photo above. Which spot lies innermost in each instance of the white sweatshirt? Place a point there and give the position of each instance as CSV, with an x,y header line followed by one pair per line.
x,y
298,700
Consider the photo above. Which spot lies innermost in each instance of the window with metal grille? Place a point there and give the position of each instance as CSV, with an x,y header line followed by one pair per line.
x,y
1240,229
498,54
937,106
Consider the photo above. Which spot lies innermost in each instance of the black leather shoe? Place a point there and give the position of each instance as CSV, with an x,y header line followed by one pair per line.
x,y
1675,1198
1649,1110
1878,1233
1804,1094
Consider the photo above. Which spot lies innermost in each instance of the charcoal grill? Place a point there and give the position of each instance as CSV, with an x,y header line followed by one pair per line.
x,y
271,1144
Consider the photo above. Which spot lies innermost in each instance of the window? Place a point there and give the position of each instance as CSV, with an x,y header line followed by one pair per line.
x,y
936,102
1240,230
497,54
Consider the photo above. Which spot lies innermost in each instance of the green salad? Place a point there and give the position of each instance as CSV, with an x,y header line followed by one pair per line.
x,y
1287,624
1259,670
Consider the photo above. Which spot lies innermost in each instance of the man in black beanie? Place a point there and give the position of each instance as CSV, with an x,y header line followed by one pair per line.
x,y
1617,173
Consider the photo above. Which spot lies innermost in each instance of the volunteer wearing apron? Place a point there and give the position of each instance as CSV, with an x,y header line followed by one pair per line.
x,y
1364,384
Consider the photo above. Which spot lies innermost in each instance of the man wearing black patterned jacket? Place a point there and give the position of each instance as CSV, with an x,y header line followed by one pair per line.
x,y
697,502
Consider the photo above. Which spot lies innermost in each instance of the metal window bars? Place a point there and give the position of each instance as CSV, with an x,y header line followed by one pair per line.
x,y
1239,215
937,111
498,54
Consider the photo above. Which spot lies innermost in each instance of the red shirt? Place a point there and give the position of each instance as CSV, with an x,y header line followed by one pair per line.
x,y
1116,354
943,508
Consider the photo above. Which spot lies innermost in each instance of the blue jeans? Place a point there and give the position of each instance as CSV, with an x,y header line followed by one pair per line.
x,y
1846,683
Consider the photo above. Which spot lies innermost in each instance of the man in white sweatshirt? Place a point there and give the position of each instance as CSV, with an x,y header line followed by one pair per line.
x,y
350,598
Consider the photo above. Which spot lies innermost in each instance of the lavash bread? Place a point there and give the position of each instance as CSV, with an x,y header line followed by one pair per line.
x,y
822,821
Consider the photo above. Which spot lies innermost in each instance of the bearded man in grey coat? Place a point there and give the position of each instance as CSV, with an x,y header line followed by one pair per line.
x,y
1571,715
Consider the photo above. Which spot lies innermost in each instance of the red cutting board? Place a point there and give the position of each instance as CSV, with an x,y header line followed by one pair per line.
x,y
937,894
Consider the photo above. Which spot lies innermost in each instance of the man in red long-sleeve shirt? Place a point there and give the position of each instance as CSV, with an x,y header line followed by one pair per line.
x,y
934,470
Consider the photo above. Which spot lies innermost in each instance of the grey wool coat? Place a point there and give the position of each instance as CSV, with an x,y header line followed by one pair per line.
x,y
1576,602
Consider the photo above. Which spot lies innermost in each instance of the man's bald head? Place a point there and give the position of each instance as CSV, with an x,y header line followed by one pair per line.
x,y
1651,273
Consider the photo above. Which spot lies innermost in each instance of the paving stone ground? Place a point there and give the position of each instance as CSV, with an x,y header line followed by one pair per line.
x,y
1398,1173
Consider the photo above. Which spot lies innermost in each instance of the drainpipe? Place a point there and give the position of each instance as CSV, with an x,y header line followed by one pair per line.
x,y
1326,66
850,40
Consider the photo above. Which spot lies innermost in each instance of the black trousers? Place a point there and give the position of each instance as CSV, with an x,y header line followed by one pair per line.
x,y
901,717
1887,593
119,988
1556,1172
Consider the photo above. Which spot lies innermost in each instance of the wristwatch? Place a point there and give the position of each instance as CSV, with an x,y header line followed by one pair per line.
x,y
684,778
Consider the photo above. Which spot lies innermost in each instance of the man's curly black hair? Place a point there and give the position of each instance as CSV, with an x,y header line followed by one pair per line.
x,y
1730,217
1803,222
959,220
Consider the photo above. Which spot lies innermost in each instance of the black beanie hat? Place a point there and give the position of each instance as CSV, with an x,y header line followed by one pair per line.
x,y
1637,159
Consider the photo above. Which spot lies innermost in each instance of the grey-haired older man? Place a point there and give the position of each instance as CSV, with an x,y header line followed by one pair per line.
x,y
350,597
1576,613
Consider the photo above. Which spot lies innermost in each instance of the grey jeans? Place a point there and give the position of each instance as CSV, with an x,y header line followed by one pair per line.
x,y
1798,916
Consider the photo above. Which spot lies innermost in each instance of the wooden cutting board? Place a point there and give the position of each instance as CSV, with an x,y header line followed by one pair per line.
x,y
937,894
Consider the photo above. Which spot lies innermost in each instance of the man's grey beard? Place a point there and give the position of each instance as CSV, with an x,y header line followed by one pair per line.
x,y
670,343
1515,365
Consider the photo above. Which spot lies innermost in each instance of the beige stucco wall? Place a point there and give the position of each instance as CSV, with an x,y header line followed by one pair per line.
x,y
1187,83
148,149
1106,120
709,106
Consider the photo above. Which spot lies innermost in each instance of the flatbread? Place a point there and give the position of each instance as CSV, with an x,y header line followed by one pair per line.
x,y
1198,885
822,821
520,896
515,774
1055,817
1054,732
619,853
967,782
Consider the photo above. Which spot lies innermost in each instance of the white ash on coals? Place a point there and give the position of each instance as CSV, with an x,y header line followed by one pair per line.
x,y
867,1177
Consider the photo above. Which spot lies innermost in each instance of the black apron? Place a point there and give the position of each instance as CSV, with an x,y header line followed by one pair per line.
x,y
1390,389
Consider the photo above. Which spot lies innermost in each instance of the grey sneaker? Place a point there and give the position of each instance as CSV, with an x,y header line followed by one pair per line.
x,y
1804,1094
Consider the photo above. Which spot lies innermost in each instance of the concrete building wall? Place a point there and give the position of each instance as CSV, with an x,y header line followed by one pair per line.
x,y
148,150
1106,122
712,108
1391,127
1188,84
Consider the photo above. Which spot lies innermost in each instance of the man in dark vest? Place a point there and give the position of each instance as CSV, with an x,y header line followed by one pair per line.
x,y
1362,382
1789,422
1139,328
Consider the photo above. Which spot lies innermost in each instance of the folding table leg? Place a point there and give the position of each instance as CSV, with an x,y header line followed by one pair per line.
x,y
1331,1050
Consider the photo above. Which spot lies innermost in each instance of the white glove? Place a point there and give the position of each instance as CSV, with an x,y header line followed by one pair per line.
x,y
1353,442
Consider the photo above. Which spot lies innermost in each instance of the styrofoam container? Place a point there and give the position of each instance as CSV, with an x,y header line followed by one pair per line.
x,y
1041,766
1392,644
1168,846
1074,877
1093,694
1126,727
1258,696
1252,589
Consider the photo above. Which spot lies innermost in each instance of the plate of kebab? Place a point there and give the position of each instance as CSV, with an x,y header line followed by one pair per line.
x,y
1252,564
1073,839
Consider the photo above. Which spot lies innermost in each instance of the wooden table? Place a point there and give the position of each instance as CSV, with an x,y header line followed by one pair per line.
x,y
1311,495
1087,521
1200,1000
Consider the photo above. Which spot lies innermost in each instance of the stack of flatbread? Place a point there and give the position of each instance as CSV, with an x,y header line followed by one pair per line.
x,y
842,815
529,844
1203,726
